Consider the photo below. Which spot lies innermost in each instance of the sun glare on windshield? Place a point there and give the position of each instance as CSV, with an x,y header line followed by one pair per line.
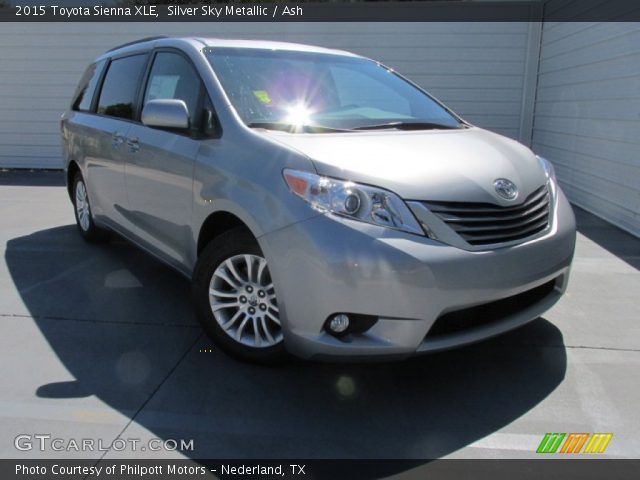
x,y
298,115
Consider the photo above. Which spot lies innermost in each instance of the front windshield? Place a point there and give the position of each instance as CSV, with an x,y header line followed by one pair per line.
x,y
275,87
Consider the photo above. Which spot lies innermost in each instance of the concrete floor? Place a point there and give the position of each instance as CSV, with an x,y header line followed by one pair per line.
x,y
100,342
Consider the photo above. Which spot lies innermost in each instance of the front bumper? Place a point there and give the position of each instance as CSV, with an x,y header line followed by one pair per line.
x,y
326,265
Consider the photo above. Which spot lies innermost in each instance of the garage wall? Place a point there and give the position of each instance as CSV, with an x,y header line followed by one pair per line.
x,y
481,70
587,115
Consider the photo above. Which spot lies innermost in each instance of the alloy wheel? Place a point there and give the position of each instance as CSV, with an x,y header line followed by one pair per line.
x,y
243,301
82,206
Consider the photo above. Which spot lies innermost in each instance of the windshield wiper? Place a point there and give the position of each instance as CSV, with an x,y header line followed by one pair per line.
x,y
409,126
293,128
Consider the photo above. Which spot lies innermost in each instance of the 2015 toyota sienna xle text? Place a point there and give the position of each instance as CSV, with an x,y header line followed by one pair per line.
x,y
321,203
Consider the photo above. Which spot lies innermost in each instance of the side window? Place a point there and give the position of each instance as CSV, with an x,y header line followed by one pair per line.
x,y
118,95
86,88
173,77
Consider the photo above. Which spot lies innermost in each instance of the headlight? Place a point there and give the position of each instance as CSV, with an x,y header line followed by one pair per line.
x,y
548,168
359,202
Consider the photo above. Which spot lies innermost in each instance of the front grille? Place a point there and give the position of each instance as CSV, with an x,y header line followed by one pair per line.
x,y
486,224
489,313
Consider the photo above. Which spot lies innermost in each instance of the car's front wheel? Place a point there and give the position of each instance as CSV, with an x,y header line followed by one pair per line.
x,y
82,209
235,298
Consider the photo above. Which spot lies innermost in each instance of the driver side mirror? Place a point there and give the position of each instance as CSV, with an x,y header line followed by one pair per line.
x,y
166,113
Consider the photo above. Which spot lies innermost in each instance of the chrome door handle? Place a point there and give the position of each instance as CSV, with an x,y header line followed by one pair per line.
x,y
117,139
134,144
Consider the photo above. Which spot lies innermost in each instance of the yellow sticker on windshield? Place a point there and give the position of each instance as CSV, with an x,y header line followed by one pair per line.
x,y
262,95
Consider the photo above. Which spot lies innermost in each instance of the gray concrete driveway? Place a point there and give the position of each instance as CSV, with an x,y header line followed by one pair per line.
x,y
99,341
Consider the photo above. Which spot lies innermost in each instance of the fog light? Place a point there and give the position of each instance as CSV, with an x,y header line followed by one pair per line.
x,y
339,323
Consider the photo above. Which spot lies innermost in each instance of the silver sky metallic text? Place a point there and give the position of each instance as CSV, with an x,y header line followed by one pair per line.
x,y
213,11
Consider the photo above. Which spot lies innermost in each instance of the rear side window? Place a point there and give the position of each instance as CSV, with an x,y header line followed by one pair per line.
x,y
118,95
86,88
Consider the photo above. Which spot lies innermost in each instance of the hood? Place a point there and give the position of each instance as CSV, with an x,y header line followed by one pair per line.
x,y
435,165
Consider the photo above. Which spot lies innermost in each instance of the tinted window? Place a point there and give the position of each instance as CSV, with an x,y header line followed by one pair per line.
x,y
118,96
87,86
173,77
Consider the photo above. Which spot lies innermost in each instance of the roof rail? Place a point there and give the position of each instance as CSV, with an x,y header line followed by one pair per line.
x,y
146,39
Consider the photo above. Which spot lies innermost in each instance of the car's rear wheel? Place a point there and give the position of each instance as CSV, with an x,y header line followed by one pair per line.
x,y
82,209
235,298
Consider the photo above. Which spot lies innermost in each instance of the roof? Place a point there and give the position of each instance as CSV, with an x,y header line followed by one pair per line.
x,y
271,45
200,42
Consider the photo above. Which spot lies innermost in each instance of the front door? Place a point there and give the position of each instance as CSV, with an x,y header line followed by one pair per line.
x,y
160,165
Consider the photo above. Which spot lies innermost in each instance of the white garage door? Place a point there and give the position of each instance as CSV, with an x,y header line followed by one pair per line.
x,y
478,69
587,116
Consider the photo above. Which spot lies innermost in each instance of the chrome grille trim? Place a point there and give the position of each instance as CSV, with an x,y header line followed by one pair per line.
x,y
482,224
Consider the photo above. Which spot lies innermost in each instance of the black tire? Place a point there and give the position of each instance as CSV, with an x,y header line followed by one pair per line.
x,y
87,228
222,248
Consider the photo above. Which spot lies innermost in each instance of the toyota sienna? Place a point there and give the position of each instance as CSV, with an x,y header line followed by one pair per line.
x,y
320,203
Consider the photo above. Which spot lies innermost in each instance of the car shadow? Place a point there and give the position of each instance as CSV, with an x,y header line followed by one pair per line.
x,y
121,323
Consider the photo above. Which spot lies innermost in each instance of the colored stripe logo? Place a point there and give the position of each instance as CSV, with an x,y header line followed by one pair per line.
x,y
573,442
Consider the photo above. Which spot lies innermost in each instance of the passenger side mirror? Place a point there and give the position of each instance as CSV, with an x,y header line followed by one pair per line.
x,y
166,113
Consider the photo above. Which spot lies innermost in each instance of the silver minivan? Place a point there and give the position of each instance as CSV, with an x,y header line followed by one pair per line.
x,y
320,203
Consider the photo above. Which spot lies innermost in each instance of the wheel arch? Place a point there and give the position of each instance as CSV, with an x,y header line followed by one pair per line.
x,y
72,169
216,224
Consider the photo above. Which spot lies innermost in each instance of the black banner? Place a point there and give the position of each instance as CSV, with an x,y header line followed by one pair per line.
x,y
538,469
335,11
